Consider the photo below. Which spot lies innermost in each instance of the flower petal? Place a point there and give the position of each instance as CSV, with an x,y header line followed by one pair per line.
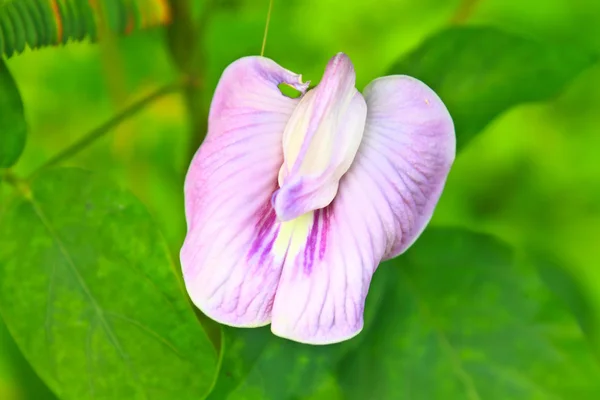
x,y
408,148
324,283
231,263
383,203
320,141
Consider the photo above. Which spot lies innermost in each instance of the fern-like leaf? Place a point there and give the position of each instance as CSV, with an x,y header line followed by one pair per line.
x,y
39,23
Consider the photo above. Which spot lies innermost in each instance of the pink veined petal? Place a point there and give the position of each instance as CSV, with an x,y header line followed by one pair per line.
x,y
408,149
383,203
230,268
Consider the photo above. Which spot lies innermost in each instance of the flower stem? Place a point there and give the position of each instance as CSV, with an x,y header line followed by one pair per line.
x,y
103,129
186,44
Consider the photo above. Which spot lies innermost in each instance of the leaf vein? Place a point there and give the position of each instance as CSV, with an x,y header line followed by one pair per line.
x,y
99,311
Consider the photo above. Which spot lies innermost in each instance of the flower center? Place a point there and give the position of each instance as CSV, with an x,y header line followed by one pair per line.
x,y
320,142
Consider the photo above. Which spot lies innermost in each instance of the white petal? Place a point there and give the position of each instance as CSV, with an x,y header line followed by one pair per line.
x,y
320,142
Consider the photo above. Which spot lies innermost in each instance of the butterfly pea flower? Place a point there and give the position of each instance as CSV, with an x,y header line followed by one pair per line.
x,y
291,204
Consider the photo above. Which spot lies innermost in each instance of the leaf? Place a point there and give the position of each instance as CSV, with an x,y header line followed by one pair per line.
x,y
15,369
40,23
258,365
480,72
13,128
466,321
566,287
88,291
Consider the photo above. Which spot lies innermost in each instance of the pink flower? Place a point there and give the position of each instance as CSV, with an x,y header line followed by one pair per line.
x,y
291,204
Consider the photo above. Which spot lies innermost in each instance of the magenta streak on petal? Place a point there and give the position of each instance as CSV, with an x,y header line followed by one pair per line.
x,y
267,250
317,239
311,243
324,231
267,218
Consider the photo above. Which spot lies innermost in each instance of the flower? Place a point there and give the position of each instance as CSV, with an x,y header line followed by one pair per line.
x,y
291,204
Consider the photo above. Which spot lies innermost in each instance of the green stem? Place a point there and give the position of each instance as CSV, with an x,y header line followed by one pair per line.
x,y
186,43
100,131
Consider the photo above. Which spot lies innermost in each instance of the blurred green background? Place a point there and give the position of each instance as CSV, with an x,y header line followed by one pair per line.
x,y
531,178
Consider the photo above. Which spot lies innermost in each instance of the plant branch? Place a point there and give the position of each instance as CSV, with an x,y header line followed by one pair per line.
x,y
186,43
103,129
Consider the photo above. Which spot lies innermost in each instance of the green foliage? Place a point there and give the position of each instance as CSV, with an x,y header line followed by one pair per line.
x,y
465,320
13,128
258,365
87,289
20,369
480,72
566,287
39,23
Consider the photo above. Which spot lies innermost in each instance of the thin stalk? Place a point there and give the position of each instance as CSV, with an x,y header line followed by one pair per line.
x,y
264,42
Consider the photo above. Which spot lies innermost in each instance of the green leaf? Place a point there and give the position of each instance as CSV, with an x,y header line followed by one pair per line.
x,y
40,23
89,292
14,367
13,128
480,72
566,287
467,321
258,365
